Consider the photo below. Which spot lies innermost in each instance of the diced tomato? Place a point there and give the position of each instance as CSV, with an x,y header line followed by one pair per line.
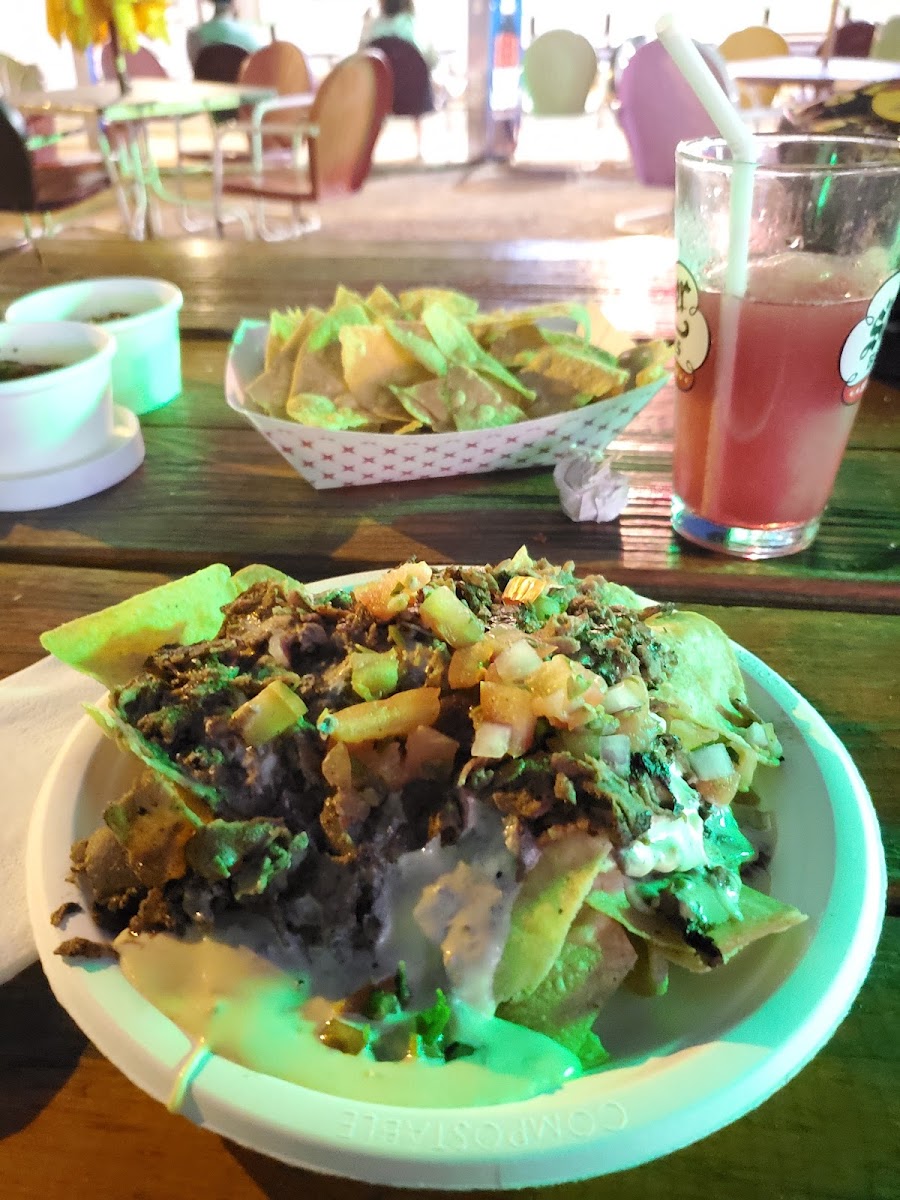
x,y
505,704
394,591
469,663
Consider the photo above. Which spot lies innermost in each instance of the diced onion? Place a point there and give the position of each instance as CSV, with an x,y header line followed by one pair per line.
x,y
517,662
615,749
629,693
491,740
711,762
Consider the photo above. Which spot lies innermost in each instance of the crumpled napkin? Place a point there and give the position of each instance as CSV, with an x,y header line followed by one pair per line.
x,y
38,708
589,488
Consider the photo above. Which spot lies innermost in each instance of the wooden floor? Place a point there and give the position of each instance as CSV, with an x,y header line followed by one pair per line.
x,y
438,200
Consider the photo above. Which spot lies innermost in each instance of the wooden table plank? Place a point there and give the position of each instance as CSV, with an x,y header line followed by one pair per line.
x,y
75,1128
224,282
207,494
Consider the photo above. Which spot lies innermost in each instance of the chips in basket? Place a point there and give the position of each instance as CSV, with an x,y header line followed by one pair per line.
x,y
427,361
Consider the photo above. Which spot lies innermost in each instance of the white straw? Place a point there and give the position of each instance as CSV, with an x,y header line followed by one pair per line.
x,y
727,120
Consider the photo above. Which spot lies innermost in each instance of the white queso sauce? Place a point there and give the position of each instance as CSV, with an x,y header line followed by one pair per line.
x,y
233,1002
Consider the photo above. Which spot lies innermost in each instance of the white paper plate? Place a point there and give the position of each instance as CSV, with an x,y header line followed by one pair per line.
x,y
119,458
691,1062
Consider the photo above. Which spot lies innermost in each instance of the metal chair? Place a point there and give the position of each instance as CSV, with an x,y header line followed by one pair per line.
x,y
886,44
413,90
28,186
658,109
558,70
142,64
282,66
852,40
341,130
756,41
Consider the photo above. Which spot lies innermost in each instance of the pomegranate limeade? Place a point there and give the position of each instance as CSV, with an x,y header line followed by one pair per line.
x,y
768,452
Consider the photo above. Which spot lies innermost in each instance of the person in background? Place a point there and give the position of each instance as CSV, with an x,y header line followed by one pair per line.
x,y
224,28
396,18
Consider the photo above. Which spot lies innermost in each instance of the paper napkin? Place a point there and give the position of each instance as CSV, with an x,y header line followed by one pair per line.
x,y
589,489
38,708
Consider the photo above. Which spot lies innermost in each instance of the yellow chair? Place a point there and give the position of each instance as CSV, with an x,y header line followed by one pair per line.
x,y
757,41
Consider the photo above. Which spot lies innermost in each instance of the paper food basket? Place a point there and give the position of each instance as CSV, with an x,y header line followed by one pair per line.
x,y
332,459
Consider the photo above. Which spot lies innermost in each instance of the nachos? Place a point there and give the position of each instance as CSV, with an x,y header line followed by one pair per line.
x,y
430,361
504,790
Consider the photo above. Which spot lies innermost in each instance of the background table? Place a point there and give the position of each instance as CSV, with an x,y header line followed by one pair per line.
x,y
145,100
812,71
125,117
211,488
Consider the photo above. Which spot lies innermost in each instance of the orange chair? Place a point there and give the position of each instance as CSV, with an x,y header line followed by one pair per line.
x,y
142,64
756,41
282,66
340,132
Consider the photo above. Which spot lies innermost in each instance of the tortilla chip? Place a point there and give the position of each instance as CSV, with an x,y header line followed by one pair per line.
x,y
247,576
458,346
113,644
129,739
270,390
328,329
515,347
318,373
549,899
430,403
345,297
282,326
647,361
703,693
416,300
383,303
596,956
274,346
321,412
478,404
491,325
579,369
762,915
601,332
415,338
371,360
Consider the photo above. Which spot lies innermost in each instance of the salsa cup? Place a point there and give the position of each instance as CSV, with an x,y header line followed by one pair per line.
x,y
63,414
142,314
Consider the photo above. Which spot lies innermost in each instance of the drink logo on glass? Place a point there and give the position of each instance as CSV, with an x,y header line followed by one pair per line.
x,y
691,329
860,350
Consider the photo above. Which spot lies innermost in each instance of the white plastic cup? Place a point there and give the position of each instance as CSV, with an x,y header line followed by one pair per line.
x,y
64,415
146,369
